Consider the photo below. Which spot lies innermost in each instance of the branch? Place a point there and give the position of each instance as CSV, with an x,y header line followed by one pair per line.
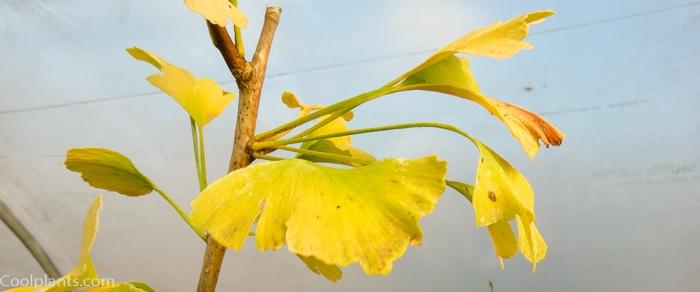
x,y
24,236
250,77
235,61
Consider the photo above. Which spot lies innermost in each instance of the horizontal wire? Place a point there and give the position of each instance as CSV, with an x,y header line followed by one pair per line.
x,y
353,63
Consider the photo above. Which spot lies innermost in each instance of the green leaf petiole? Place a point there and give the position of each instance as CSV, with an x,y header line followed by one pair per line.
x,y
276,143
345,159
180,212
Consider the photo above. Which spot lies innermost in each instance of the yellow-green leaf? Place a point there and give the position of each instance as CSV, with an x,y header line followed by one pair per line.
x,y
450,72
499,40
503,240
90,226
499,195
202,98
107,169
218,12
290,100
84,271
83,274
500,191
453,76
528,127
532,245
330,272
444,72
335,146
366,215
337,125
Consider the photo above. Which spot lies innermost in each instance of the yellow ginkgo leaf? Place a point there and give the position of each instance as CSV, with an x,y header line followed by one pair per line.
x,y
532,245
343,143
366,215
109,170
83,274
336,146
446,73
500,191
330,272
218,12
503,240
528,127
290,100
499,40
90,226
202,98
453,76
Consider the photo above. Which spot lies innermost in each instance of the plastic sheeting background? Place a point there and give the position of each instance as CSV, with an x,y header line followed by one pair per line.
x,y
617,202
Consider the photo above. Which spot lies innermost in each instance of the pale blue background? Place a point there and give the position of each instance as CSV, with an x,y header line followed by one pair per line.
x,y
618,202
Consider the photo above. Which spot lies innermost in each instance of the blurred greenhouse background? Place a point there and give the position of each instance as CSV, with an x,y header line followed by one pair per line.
x,y
618,202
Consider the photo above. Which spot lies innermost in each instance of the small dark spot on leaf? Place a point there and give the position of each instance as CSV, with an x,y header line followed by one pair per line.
x,y
492,196
337,206
394,181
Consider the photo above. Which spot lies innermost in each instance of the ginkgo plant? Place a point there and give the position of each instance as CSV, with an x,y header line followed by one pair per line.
x,y
333,204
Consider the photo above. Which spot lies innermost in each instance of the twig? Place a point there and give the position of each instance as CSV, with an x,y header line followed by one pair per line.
x,y
249,78
29,241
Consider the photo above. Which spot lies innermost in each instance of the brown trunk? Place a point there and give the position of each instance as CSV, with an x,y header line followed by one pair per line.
x,y
250,77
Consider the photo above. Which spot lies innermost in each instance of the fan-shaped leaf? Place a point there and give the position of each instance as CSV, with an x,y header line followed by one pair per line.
x,y
504,242
202,98
336,146
107,169
502,194
366,214
500,40
342,143
218,12
532,245
453,76
500,191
